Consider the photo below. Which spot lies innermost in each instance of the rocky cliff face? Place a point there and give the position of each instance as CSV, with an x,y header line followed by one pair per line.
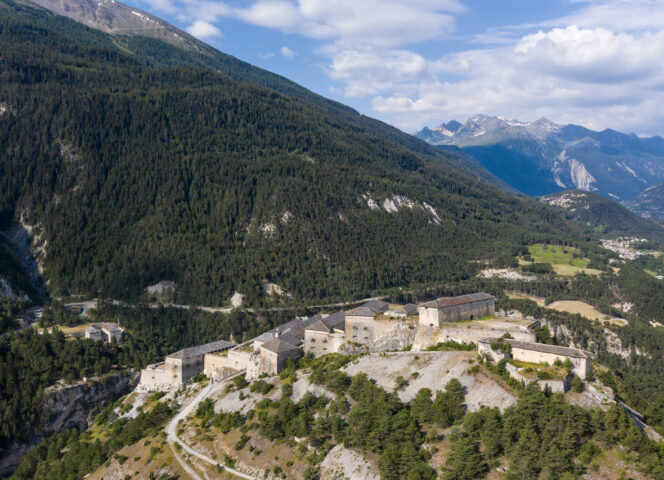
x,y
70,406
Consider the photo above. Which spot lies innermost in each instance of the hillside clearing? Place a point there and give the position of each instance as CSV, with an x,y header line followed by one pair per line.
x,y
566,261
585,310
433,370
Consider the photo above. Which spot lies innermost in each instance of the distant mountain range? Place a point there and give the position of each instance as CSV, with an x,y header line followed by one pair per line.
x,y
542,157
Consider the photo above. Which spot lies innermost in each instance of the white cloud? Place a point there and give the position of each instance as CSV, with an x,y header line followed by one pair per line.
x,y
203,30
287,52
588,76
369,72
599,65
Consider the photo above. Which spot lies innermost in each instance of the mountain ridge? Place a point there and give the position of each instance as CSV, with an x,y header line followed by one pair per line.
x,y
549,157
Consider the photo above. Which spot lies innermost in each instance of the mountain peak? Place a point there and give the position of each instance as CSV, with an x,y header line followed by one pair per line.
x,y
111,16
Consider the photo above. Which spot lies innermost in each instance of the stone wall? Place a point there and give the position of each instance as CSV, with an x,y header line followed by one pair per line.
x,y
367,330
581,366
484,349
153,377
238,359
268,362
322,343
215,365
427,336
555,386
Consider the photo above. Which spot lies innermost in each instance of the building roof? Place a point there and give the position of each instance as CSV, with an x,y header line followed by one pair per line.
x,y
369,309
446,302
291,338
202,349
407,309
541,347
277,345
335,321
112,328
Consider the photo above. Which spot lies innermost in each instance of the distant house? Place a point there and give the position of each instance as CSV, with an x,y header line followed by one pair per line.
x,y
112,332
325,335
456,309
94,333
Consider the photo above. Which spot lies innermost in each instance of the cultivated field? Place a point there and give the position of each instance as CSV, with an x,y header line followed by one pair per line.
x,y
566,261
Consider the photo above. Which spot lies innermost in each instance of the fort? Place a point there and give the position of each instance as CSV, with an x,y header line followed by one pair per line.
x,y
371,327
180,367
456,309
536,359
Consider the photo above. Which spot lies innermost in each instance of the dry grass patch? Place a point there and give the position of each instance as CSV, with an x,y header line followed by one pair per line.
x,y
585,310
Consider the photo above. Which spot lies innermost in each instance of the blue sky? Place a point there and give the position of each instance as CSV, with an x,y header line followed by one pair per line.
x,y
413,63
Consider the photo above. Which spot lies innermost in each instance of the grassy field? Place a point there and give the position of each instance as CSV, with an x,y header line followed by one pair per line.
x,y
529,369
585,310
566,261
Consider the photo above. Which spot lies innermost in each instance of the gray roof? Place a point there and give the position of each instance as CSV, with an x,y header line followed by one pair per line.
x,y
277,345
446,302
202,349
408,309
328,324
291,338
111,328
369,309
541,347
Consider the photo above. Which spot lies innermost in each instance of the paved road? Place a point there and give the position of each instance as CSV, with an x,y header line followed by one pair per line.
x,y
90,304
171,433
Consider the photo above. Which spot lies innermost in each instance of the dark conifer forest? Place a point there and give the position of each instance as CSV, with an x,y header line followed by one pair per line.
x,y
140,173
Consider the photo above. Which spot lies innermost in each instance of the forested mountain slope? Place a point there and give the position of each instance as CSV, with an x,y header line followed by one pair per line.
x,y
606,216
154,42
139,174
649,203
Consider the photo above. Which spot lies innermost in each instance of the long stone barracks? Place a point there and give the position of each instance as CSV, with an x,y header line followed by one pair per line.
x,y
456,309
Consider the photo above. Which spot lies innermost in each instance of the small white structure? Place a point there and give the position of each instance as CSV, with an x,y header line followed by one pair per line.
x,y
237,299
112,332
94,333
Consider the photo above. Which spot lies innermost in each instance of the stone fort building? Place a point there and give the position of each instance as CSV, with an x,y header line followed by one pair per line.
x,y
180,367
456,309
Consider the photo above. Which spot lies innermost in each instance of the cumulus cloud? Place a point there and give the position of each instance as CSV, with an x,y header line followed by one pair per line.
x,y
203,30
588,76
599,65
287,52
